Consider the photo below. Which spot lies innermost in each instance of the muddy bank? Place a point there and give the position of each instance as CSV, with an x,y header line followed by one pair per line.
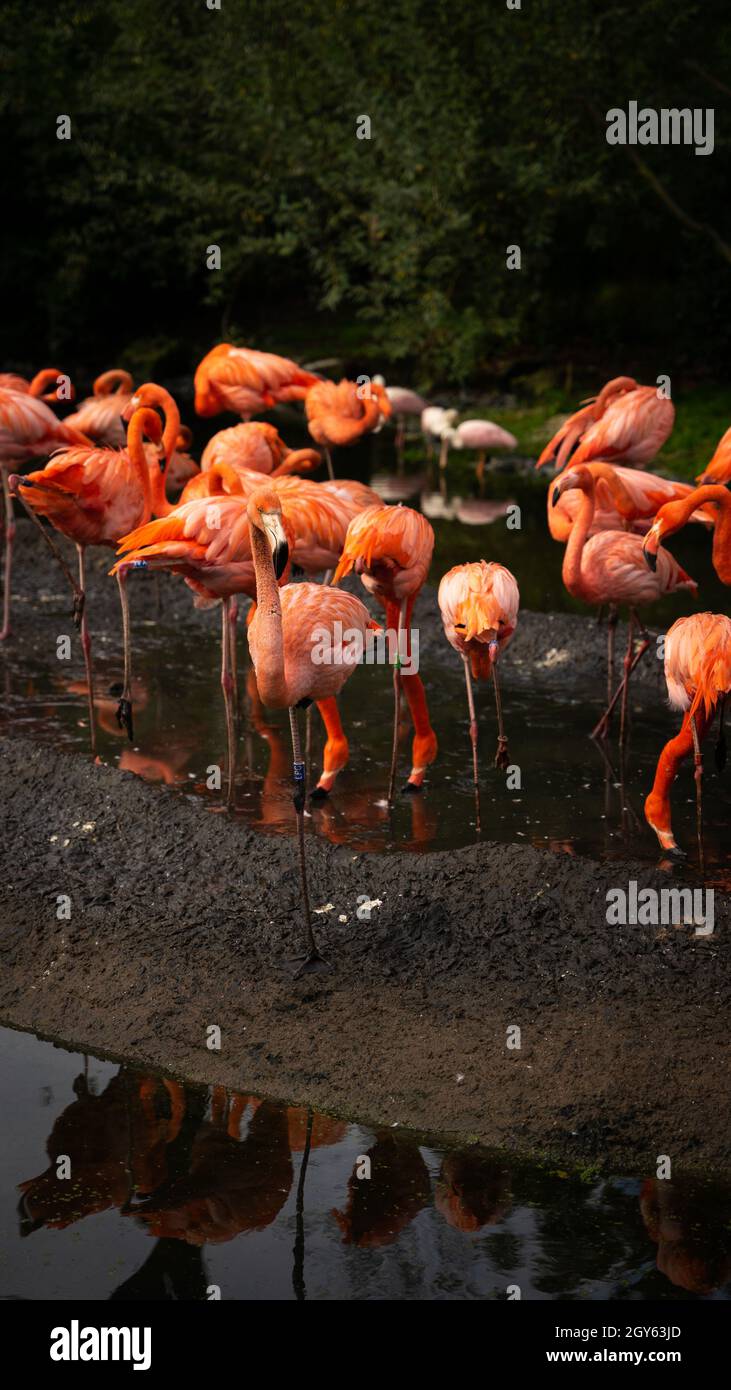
x,y
182,919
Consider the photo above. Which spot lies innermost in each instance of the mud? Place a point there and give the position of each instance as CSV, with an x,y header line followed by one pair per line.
x,y
182,919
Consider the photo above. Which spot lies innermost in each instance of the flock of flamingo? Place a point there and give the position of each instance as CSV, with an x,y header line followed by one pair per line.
x,y
248,513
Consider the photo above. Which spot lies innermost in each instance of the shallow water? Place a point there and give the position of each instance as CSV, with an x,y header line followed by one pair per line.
x,y
175,1189
570,798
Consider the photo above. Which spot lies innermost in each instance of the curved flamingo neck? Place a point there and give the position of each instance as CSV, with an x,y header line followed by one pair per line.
x,y
152,395
721,531
571,571
270,676
135,449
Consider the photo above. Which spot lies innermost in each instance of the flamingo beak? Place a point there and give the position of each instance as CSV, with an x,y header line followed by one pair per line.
x,y
556,495
651,555
277,540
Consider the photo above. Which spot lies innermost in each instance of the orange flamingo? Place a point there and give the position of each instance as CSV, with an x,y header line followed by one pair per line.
x,y
674,515
258,446
719,469
610,568
632,509
698,676
479,605
94,496
341,413
246,381
37,385
288,624
206,539
391,549
100,415
625,423
28,430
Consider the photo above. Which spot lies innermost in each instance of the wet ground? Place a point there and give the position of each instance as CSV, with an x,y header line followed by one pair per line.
x,y
176,1192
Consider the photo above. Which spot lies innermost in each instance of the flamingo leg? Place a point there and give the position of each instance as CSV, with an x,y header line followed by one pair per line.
x,y
443,456
473,736
481,473
600,730
227,700
233,613
698,774
611,634
312,960
78,593
336,749
86,646
124,708
396,702
9,539
502,757
400,441
720,756
627,668
329,462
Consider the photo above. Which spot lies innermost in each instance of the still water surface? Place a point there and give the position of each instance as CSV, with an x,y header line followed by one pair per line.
x,y
176,1189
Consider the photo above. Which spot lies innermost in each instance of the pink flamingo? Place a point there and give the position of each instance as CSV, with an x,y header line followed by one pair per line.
x,y
610,568
698,676
631,507
282,641
100,415
479,605
626,423
28,430
714,499
480,435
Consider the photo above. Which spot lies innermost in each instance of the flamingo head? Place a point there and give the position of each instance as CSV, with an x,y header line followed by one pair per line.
x,y
264,510
578,477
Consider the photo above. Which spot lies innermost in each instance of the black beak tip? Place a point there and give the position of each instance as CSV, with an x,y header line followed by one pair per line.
x,y
651,558
555,497
281,556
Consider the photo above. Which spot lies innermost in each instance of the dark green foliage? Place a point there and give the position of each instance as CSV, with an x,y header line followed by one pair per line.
x,y
238,127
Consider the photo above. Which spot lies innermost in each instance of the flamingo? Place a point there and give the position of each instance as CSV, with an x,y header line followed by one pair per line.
x,y
610,568
391,549
247,382
206,540
480,435
404,402
342,412
37,385
633,508
100,415
674,515
28,430
437,423
281,641
626,423
698,676
258,446
719,469
94,496
479,605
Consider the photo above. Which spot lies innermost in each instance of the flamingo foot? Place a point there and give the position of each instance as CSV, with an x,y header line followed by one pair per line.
x,y
310,964
124,717
6,632
502,756
319,793
412,788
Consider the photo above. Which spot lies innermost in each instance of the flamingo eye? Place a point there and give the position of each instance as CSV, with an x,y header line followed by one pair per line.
x,y
460,624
